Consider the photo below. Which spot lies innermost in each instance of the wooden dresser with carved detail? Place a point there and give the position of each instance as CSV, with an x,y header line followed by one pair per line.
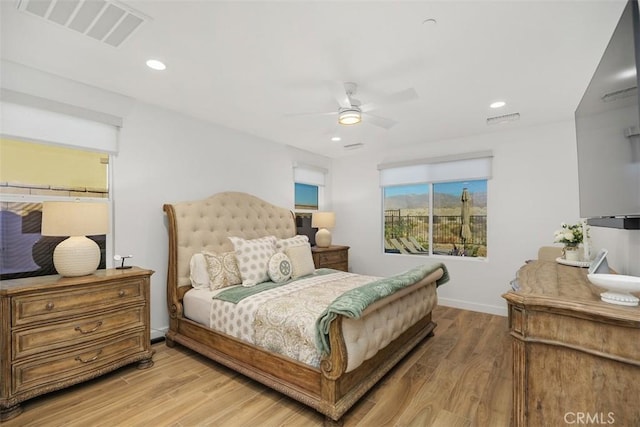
x,y
576,359
58,331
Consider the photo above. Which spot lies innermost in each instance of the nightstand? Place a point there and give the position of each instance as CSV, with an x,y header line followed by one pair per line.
x,y
336,257
59,331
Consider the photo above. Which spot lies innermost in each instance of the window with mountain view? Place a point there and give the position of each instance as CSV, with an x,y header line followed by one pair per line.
x,y
448,218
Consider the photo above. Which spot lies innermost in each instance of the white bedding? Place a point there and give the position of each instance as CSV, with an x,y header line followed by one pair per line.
x,y
364,337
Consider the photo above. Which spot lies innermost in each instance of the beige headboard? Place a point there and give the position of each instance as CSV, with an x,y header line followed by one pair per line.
x,y
206,225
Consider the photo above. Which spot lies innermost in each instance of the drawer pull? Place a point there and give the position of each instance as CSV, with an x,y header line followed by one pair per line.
x,y
79,328
50,306
80,359
121,293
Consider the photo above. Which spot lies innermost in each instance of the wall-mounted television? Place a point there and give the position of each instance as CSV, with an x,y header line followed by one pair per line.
x,y
608,131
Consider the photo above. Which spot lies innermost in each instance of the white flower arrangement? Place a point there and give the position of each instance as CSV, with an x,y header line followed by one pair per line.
x,y
570,235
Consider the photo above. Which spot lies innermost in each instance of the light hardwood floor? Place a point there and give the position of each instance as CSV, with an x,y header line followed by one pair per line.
x,y
459,377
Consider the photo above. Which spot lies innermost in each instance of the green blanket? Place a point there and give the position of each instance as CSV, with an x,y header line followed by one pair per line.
x,y
238,293
352,303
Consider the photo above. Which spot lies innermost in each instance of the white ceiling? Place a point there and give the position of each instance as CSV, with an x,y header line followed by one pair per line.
x,y
247,65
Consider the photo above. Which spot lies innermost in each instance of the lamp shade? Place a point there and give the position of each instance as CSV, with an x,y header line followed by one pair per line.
x,y
74,218
77,255
323,220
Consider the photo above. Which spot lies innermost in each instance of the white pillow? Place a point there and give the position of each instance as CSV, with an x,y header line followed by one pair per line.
x,y
253,258
198,273
301,260
279,268
222,270
283,244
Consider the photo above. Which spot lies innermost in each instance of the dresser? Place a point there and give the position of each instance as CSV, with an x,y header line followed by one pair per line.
x,y
576,359
59,331
336,257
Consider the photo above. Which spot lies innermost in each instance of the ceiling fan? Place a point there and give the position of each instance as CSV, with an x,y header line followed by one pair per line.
x,y
351,111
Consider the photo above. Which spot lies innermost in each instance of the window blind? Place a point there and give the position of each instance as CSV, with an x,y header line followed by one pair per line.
x,y
312,175
470,166
40,125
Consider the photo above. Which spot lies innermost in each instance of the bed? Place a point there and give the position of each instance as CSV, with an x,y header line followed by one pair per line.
x,y
355,347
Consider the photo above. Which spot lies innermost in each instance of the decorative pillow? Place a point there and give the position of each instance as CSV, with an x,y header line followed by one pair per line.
x,y
253,258
279,268
222,270
301,260
283,244
198,272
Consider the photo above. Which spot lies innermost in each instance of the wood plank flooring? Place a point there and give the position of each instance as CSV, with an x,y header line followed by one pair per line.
x,y
459,377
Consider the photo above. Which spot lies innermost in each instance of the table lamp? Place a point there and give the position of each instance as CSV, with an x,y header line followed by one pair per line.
x,y
322,221
77,255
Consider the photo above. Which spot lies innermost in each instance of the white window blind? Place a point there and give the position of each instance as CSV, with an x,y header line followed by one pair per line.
x,y
472,166
312,175
40,125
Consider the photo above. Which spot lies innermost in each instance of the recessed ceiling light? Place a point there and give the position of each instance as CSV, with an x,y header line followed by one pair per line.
x,y
498,104
156,65
335,138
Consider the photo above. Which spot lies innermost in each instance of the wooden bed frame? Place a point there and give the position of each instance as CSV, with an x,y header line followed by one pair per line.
x,y
328,389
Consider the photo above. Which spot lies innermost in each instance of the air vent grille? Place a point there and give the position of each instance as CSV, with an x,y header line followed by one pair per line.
x,y
354,146
110,21
503,119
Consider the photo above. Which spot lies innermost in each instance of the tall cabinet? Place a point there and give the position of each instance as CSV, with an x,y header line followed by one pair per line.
x,y
576,359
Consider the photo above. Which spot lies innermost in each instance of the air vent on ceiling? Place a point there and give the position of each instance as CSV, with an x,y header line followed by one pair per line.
x,y
109,21
503,119
354,146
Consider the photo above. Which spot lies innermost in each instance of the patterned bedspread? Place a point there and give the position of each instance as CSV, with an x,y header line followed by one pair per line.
x,y
292,319
283,319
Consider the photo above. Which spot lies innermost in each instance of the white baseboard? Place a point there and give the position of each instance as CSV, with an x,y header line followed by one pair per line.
x,y
465,305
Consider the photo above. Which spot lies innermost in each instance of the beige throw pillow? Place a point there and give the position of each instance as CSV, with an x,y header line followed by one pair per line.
x,y
301,260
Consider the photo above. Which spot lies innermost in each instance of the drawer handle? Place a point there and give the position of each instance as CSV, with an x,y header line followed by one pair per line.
x,y
79,328
50,306
121,293
80,359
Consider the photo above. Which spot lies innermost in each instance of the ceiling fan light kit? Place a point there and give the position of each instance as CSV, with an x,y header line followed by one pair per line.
x,y
349,116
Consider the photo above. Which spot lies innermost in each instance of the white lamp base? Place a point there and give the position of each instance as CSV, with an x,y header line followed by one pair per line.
x,y
76,256
323,238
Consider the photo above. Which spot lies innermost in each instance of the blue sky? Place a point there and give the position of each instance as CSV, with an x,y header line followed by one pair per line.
x,y
454,188
306,195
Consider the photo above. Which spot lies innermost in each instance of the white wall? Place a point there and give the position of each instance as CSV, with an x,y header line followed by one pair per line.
x,y
534,188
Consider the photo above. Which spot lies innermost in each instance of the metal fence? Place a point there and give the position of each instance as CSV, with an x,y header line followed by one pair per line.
x,y
446,228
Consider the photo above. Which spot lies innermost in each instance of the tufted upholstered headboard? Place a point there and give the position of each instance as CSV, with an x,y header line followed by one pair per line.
x,y
206,225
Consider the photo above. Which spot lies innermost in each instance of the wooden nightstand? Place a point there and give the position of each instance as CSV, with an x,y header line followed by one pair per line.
x,y
58,331
336,257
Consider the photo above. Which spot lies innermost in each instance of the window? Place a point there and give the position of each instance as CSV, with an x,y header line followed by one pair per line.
x,y
306,196
31,173
427,211
48,151
309,182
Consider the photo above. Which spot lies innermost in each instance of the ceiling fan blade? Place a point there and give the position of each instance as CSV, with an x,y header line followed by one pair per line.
x,y
395,98
332,113
340,94
382,122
